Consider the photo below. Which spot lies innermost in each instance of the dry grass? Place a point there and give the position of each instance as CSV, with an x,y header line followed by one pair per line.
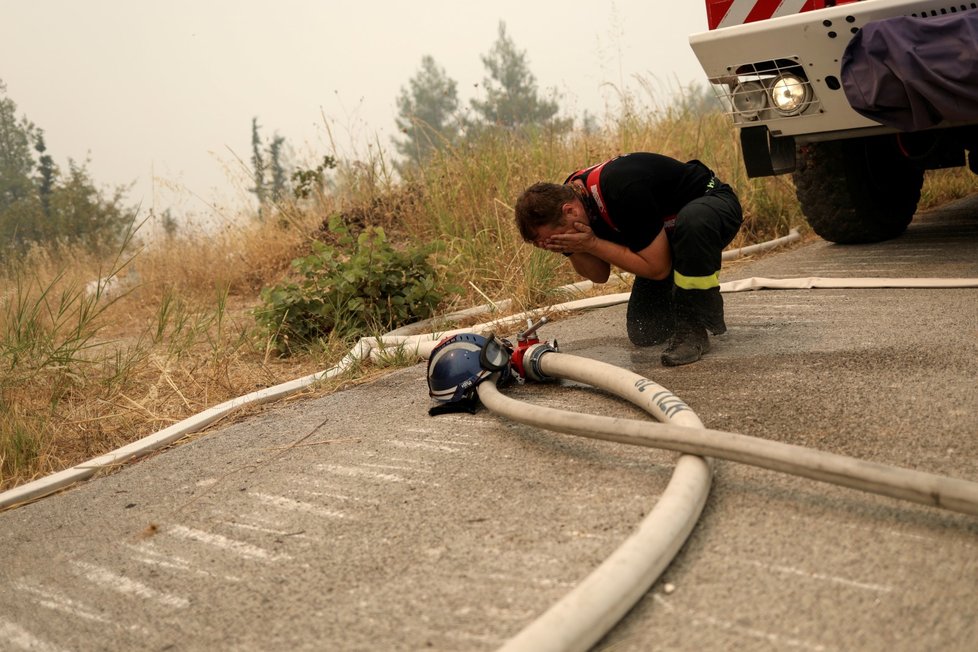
x,y
942,186
168,334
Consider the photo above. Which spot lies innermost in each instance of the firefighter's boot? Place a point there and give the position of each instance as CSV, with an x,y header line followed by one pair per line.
x,y
696,311
688,343
708,308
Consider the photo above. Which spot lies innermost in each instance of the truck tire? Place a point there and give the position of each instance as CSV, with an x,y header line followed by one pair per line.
x,y
858,190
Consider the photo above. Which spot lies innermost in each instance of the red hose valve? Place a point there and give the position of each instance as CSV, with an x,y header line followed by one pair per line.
x,y
529,349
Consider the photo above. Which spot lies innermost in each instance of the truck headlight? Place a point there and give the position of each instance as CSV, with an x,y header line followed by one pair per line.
x,y
790,94
749,99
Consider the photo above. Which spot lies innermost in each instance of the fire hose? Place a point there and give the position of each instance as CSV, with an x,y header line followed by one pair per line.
x,y
906,484
588,611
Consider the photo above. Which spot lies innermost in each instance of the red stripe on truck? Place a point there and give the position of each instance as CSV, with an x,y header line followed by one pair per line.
x,y
716,10
754,10
763,9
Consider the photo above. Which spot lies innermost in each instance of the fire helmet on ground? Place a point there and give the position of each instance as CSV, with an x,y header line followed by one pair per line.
x,y
455,366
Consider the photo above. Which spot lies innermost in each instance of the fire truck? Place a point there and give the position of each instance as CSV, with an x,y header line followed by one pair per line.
x,y
855,98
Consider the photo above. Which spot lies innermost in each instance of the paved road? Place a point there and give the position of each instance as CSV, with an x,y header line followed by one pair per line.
x,y
356,522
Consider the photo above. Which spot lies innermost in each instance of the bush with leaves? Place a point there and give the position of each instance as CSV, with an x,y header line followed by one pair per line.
x,y
355,287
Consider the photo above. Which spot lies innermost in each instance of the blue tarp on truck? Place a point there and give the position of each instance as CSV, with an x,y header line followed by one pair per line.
x,y
913,73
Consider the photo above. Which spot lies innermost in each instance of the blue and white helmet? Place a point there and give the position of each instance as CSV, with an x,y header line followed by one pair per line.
x,y
460,362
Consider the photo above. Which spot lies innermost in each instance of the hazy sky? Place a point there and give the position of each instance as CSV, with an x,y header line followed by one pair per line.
x,y
162,94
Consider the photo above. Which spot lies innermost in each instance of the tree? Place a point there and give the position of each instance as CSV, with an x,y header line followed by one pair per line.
x,y
279,177
16,160
39,204
268,159
589,123
699,100
46,173
169,224
257,166
81,214
427,112
511,98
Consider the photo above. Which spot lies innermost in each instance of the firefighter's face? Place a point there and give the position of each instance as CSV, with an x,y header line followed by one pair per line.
x,y
571,213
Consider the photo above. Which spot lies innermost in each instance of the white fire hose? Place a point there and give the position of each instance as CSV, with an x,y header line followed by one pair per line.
x,y
588,611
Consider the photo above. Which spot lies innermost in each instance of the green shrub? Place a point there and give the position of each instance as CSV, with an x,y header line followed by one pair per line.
x,y
356,287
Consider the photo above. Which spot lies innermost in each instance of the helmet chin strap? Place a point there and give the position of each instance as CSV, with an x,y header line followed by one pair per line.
x,y
469,404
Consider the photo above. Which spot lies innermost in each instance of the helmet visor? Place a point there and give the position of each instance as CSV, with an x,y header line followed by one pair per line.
x,y
494,355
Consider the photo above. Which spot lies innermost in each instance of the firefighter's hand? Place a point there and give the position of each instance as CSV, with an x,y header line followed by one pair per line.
x,y
580,239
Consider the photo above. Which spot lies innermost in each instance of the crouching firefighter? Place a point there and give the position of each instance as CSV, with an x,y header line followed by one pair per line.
x,y
664,221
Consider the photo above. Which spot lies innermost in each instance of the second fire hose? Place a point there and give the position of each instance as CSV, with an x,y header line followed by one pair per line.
x,y
907,484
585,614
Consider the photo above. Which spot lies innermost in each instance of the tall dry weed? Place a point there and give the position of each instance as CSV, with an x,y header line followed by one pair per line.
x,y
95,354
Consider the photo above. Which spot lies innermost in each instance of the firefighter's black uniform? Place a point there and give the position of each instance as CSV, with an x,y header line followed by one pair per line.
x,y
629,200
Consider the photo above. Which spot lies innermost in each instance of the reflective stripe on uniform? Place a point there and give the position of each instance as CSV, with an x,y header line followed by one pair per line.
x,y
696,282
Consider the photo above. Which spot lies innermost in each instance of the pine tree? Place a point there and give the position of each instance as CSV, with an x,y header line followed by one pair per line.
x,y
46,173
280,179
39,204
16,160
257,166
169,224
511,97
268,160
428,110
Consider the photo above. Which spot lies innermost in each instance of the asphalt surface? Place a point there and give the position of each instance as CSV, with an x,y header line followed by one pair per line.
x,y
357,522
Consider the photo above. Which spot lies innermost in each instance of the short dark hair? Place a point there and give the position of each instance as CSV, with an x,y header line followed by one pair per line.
x,y
540,205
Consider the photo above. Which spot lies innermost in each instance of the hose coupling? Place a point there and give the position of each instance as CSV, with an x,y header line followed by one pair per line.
x,y
531,361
